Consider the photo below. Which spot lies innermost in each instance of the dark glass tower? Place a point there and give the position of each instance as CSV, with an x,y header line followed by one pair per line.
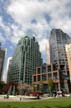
x,y
25,60
58,40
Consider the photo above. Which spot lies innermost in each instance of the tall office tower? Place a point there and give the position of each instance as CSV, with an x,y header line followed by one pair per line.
x,y
2,58
8,69
26,57
68,53
57,41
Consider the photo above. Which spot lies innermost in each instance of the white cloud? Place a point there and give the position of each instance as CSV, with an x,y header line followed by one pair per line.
x,y
2,39
37,17
44,47
1,24
45,14
44,43
24,11
6,29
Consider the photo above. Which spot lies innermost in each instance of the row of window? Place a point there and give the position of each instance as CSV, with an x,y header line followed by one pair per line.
x,y
49,69
44,77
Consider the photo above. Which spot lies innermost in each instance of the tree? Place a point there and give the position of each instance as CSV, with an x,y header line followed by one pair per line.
x,y
10,87
50,85
41,87
34,87
2,84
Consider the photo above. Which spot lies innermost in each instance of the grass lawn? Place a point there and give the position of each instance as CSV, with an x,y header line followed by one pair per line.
x,y
49,103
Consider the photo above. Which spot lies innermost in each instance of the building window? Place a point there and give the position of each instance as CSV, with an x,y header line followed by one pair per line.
x,y
43,69
38,77
54,67
44,77
38,70
34,79
49,76
49,68
55,76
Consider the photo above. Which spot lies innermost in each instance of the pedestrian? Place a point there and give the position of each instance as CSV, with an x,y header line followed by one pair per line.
x,y
38,97
20,98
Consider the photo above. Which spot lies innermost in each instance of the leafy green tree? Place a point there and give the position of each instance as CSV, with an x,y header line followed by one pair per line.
x,y
34,88
41,87
2,84
50,85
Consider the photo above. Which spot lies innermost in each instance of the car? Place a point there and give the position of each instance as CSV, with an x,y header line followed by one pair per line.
x,y
36,93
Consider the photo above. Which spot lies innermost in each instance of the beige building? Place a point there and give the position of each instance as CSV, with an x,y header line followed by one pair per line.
x,y
68,53
50,71
2,58
8,69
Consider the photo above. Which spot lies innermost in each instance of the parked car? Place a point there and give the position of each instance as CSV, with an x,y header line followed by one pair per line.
x,y
36,93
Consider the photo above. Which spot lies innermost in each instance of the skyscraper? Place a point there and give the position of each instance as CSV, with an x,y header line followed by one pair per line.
x,y
26,57
2,58
58,40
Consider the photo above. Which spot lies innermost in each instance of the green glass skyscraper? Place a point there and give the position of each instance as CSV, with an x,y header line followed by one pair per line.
x,y
25,60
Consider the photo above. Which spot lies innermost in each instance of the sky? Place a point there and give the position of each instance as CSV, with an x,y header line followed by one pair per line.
x,y
34,18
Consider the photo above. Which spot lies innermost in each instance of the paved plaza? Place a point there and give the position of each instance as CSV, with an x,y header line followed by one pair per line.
x,y
3,98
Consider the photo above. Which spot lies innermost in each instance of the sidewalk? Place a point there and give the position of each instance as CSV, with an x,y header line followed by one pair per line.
x,y
3,98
